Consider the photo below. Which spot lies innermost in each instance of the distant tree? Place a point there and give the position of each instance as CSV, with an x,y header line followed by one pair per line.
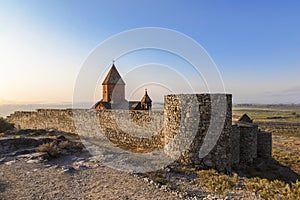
x,y
4,125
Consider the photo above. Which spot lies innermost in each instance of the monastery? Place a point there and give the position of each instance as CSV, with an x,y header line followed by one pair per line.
x,y
113,94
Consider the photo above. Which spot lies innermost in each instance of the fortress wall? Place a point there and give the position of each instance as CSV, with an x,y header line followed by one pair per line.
x,y
179,108
141,129
57,119
220,157
183,125
264,144
127,128
235,147
248,143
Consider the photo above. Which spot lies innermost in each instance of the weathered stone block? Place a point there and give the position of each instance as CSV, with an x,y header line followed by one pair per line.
x,y
264,144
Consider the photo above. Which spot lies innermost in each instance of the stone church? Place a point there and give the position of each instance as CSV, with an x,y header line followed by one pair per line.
x,y
113,94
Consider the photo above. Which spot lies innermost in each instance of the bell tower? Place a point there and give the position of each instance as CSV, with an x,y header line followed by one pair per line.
x,y
113,87
146,102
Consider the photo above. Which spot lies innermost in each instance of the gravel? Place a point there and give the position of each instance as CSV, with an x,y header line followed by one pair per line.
x,y
23,180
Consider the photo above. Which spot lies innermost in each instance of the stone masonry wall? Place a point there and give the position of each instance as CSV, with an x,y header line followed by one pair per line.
x,y
184,129
115,124
235,147
57,119
183,125
248,143
182,120
264,144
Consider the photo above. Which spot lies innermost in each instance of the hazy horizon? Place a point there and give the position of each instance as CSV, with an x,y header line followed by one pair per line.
x,y
7,109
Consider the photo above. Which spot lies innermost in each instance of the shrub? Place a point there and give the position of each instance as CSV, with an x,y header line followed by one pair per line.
x,y
65,144
273,189
217,183
160,178
5,126
51,148
186,170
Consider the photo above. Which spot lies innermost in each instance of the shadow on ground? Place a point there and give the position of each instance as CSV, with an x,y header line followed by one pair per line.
x,y
269,169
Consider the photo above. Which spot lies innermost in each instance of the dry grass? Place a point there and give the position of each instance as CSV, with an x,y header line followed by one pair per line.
x,y
65,144
51,148
54,148
2,135
219,184
222,184
286,158
276,189
287,152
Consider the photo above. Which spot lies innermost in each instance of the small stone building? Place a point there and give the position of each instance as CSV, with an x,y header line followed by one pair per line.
x,y
144,104
249,142
113,94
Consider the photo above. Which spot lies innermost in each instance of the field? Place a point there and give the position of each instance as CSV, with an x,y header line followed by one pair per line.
x,y
284,123
280,120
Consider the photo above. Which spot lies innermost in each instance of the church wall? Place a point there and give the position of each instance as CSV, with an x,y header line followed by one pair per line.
x,y
118,93
105,95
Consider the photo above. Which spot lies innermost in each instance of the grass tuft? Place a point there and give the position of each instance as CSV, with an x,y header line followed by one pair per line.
x,y
220,184
51,148
276,189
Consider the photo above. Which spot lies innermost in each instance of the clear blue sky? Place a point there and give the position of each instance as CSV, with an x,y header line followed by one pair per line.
x,y
255,44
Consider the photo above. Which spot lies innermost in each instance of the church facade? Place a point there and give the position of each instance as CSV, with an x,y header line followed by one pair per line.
x,y
113,94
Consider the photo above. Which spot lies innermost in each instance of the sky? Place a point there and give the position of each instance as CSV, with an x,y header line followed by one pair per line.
x,y
255,46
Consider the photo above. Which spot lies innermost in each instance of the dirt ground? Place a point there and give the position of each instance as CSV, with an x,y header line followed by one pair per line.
x,y
23,180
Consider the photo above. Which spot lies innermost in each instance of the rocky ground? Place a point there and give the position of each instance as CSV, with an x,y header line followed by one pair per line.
x,y
70,172
22,179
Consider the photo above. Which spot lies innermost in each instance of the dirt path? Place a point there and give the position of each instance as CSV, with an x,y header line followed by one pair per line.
x,y
22,180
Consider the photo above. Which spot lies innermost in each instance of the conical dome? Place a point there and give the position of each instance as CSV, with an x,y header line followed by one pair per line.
x,y
146,98
113,77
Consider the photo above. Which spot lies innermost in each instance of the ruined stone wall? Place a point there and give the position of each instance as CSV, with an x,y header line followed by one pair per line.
x,y
248,142
264,144
57,119
235,146
133,128
185,129
189,121
127,128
